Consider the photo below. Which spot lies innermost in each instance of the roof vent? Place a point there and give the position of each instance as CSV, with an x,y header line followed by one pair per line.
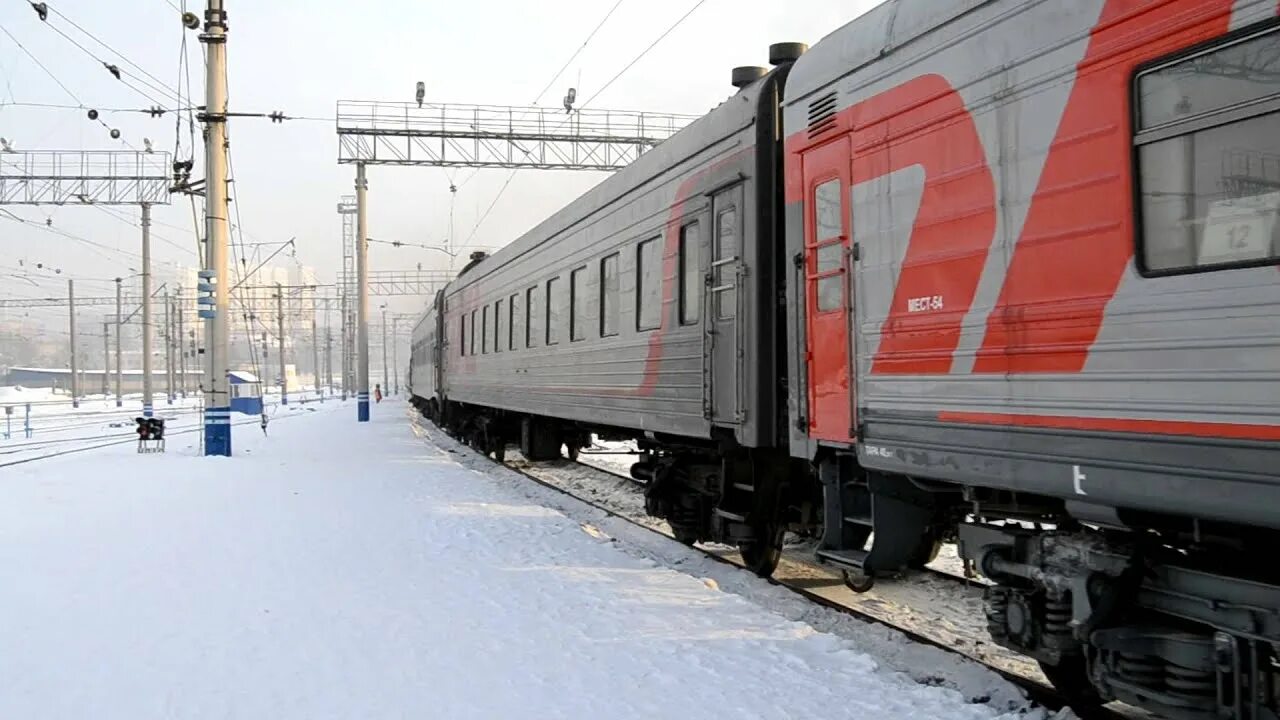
x,y
744,76
822,115
786,52
476,258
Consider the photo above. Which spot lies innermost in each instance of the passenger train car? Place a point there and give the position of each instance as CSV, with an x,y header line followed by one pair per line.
x,y
995,271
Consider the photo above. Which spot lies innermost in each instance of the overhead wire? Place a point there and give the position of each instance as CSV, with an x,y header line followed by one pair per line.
x,y
560,72
79,105
612,80
146,79
159,84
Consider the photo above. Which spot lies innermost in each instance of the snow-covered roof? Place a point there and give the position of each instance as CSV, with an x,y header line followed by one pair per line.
x,y
240,376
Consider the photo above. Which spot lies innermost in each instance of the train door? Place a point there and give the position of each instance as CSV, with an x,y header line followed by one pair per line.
x,y
828,290
724,302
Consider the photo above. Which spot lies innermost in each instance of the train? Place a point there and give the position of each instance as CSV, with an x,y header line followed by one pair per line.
x,y
1001,273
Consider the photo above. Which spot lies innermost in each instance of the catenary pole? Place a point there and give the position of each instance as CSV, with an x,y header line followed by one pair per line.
x,y
362,312
119,336
181,343
284,379
146,311
315,347
395,354
217,416
386,380
71,306
168,348
106,358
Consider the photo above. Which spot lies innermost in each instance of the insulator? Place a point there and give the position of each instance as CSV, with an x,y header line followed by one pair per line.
x,y
93,114
115,134
190,20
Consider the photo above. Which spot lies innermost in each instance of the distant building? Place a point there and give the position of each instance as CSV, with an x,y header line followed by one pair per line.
x,y
91,380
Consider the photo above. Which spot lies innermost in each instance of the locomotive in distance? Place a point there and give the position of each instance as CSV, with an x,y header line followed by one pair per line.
x,y
998,272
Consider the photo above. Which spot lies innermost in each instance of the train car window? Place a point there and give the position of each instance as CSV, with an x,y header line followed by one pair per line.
x,y
609,296
497,326
533,317
513,312
1208,176
462,335
472,349
578,305
648,285
830,245
726,249
553,312
484,330
690,275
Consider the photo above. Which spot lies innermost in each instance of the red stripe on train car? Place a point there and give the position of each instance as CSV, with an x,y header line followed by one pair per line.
x,y
670,261
925,122
1233,431
1078,237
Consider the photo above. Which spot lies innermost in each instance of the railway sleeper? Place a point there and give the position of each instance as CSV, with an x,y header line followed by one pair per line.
x,y
1111,618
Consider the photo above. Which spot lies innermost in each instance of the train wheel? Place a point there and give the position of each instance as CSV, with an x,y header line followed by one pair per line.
x,y
858,582
571,451
925,554
500,451
761,555
685,536
1071,678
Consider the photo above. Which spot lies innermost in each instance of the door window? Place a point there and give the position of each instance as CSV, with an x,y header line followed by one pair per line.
x,y
724,279
829,250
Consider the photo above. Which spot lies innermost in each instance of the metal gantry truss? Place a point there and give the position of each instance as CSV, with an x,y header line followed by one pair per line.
x,y
407,282
84,177
451,135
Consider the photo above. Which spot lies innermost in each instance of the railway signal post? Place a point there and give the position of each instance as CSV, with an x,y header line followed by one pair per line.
x,y
217,415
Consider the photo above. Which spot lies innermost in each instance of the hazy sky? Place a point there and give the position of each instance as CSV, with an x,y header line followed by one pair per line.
x,y
301,57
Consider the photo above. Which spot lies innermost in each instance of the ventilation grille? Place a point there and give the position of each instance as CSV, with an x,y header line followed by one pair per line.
x,y
822,115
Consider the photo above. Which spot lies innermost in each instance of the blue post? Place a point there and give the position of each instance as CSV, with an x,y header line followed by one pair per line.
x,y
217,431
147,410
27,423
362,407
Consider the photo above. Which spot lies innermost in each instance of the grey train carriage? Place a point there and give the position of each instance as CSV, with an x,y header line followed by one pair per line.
x,y
647,309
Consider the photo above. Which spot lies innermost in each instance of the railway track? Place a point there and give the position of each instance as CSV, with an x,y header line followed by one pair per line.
x,y
813,583
107,441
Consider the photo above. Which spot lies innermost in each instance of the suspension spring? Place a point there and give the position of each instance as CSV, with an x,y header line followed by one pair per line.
x,y
1144,670
997,609
1057,616
1190,683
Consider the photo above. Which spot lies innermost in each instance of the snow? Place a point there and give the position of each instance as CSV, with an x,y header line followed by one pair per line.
x,y
338,570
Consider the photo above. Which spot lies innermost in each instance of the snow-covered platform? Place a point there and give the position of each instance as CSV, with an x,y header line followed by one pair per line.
x,y
337,570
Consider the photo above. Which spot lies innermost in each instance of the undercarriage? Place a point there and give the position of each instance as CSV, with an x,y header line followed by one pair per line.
x,y
1119,615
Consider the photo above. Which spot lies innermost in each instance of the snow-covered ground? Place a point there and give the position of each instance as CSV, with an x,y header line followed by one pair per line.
x,y
339,570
